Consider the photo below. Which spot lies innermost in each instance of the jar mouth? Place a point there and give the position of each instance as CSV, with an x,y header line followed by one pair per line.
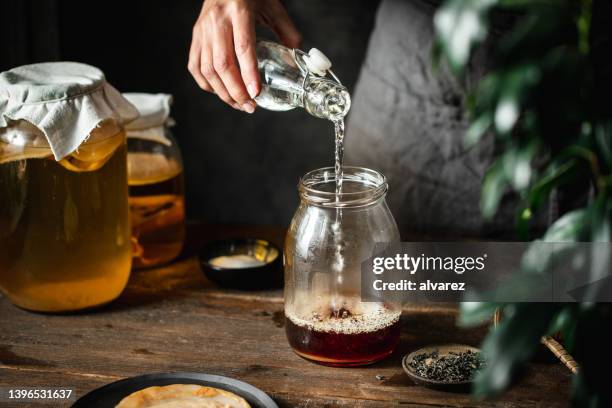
x,y
360,187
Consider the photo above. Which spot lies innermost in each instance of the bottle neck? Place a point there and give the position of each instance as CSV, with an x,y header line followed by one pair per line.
x,y
325,98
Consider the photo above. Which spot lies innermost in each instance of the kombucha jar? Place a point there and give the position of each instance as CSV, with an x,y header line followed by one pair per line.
x,y
156,184
64,225
331,234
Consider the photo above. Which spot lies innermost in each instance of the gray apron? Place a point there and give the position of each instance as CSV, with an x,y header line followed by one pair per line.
x,y
408,121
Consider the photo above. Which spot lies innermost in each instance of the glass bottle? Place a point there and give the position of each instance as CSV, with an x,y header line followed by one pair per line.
x,y
329,237
291,79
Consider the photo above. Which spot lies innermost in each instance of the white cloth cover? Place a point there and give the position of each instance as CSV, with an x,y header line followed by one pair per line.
x,y
65,100
154,117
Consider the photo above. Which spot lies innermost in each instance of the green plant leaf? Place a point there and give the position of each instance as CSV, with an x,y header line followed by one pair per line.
x,y
601,233
477,129
583,153
602,218
562,320
515,86
603,139
460,25
591,388
568,326
584,25
528,3
517,164
501,99
508,347
558,173
553,176
582,395
475,313
483,98
565,232
569,228
493,188
566,167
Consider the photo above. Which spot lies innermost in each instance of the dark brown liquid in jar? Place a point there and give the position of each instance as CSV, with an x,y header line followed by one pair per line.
x,y
341,337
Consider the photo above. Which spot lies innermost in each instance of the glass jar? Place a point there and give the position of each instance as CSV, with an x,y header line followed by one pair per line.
x,y
64,227
157,199
328,239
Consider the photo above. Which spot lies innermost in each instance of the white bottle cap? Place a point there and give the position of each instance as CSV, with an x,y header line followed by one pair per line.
x,y
317,62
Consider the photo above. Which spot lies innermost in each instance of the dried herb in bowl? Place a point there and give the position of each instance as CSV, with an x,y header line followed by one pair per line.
x,y
454,367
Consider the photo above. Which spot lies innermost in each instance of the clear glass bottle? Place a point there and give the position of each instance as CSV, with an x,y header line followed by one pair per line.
x,y
64,226
157,200
329,237
291,79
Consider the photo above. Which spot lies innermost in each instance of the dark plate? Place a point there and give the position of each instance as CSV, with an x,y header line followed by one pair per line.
x,y
443,349
266,276
110,395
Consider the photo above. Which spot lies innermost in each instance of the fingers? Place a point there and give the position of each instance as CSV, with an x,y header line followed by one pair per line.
x,y
281,24
207,68
222,57
244,46
212,56
194,64
226,66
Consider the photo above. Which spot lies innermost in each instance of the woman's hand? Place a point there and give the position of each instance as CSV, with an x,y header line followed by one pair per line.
x,y
222,57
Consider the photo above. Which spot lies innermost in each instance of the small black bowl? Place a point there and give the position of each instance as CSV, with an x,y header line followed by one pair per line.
x,y
266,276
442,349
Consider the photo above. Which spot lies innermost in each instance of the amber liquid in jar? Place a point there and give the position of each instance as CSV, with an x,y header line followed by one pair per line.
x,y
64,226
157,208
350,333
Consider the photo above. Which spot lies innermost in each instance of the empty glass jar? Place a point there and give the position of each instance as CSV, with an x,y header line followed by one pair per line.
x,y
329,238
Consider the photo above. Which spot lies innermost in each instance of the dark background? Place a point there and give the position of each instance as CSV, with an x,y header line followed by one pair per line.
x,y
239,168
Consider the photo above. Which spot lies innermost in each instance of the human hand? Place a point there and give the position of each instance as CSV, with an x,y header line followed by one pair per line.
x,y
222,57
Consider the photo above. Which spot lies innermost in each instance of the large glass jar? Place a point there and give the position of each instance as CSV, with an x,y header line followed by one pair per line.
x,y
329,238
157,200
64,221
64,229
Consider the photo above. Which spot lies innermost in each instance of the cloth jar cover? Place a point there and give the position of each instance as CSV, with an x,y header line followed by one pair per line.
x,y
154,117
66,101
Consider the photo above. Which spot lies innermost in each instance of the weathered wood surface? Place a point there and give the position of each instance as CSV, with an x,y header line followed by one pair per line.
x,y
172,319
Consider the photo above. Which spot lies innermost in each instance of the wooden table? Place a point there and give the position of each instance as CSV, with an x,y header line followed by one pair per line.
x,y
172,319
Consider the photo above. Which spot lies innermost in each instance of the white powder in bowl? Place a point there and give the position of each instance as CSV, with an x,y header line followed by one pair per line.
x,y
235,262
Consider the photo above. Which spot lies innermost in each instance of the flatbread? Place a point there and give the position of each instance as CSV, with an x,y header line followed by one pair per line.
x,y
183,396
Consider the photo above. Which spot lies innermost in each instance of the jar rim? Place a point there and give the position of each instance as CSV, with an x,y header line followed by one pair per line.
x,y
374,186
